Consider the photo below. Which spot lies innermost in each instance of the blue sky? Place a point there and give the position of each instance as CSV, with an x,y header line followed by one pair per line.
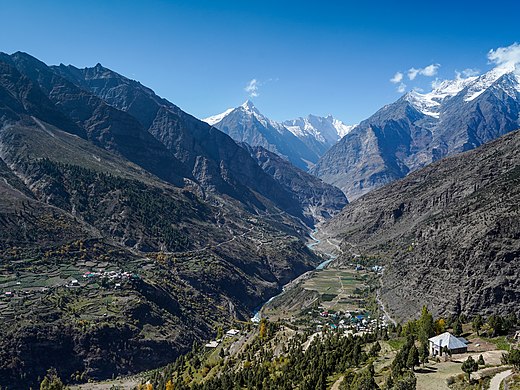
x,y
315,57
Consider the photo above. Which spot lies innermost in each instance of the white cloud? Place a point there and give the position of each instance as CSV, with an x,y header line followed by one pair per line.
x,y
252,88
470,72
398,77
412,73
505,57
428,71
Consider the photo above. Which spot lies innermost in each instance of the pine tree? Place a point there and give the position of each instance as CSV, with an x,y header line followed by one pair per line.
x,y
469,366
477,323
457,328
513,358
426,324
375,349
413,358
424,352
52,381
481,361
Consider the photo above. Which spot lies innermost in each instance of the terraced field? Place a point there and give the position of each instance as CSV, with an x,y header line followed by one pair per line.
x,y
339,289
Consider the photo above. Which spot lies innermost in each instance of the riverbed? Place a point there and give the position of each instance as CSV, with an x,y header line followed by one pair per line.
x,y
330,257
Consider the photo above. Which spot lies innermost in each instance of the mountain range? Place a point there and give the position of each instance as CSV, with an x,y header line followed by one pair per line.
x,y
130,229
458,115
127,225
301,141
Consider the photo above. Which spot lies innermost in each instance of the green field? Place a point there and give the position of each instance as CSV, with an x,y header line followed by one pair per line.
x,y
338,287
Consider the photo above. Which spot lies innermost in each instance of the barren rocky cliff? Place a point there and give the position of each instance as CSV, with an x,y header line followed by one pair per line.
x,y
447,235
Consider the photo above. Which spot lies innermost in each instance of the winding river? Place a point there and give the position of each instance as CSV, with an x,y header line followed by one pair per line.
x,y
258,313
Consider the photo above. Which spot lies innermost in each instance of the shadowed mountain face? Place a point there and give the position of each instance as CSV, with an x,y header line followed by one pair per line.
x,y
120,248
213,158
418,129
100,123
320,201
448,234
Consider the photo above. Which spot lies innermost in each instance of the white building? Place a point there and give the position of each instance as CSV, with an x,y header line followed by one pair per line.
x,y
232,332
454,344
212,344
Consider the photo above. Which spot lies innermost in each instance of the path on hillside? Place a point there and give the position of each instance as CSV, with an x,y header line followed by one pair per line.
x,y
383,309
498,378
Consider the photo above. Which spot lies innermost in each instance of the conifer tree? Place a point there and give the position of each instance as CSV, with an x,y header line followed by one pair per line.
x,y
469,366
413,358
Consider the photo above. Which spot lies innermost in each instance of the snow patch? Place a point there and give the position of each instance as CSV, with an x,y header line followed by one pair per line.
x,y
213,120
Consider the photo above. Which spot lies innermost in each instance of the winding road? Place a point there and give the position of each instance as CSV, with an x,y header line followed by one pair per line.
x,y
498,378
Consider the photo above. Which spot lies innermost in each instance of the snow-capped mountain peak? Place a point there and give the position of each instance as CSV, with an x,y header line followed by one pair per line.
x,y
482,83
471,87
250,110
249,106
342,128
327,130
301,140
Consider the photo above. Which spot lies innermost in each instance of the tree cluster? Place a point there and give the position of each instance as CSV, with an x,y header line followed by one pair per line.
x,y
257,367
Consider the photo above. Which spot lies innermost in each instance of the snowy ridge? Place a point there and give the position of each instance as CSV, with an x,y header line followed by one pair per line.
x,y
487,80
430,103
212,120
325,130
342,128
470,88
249,108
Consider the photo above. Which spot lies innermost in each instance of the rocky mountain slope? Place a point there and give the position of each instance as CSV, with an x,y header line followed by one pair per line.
x,y
118,248
212,158
448,234
320,201
458,115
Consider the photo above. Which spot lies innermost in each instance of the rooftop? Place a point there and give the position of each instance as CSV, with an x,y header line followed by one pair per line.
x,y
446,339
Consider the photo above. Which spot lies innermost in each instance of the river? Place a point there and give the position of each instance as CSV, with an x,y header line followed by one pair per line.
x,y
258,313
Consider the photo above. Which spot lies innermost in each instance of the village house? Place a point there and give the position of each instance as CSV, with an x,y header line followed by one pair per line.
x,y
232,332
446,339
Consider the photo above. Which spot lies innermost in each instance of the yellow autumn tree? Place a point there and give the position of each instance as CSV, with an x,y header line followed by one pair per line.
x,y
263,328
439,326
